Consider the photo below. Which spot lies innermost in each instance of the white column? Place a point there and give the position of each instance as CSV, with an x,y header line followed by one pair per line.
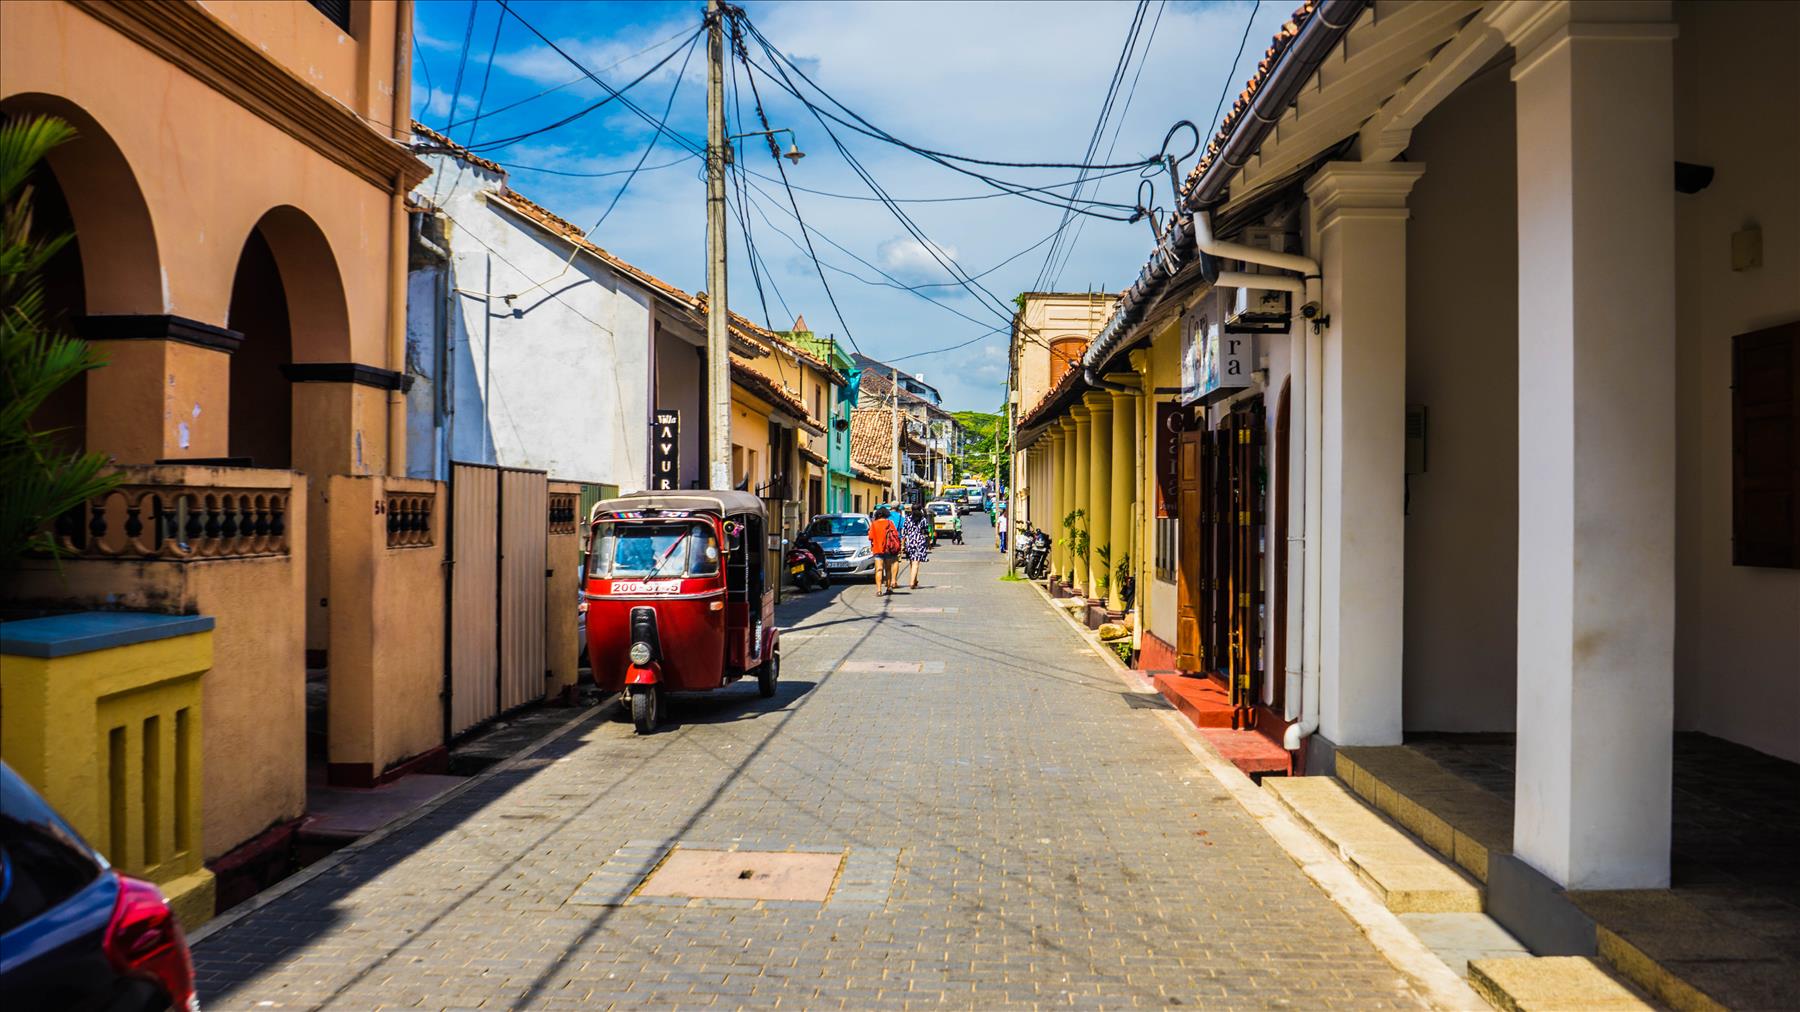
x,y
1359,212
1597,396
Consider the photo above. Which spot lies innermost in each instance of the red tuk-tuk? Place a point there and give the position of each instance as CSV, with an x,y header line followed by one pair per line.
x,y
679,597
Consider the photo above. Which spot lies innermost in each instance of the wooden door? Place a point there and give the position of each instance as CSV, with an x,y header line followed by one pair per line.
x,y
1187,590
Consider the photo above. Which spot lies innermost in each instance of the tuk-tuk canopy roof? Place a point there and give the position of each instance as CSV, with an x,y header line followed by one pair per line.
x,y
726,502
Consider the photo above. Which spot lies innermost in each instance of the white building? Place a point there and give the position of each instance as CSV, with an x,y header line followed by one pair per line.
x,y
1529,464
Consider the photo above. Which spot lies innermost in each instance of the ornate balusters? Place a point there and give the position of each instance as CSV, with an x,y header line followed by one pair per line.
x,y
409,519
562,513
176,522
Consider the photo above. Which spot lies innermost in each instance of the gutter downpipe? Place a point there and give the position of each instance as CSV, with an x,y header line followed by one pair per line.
x,y
401,86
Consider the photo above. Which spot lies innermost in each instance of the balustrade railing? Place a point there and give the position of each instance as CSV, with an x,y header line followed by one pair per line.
x,y
409,519
563,507
146,521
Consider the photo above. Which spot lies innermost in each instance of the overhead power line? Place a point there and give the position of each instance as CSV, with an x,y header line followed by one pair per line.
x,y
684,33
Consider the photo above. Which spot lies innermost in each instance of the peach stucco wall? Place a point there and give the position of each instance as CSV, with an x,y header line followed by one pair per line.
x,y
342,65
208,169
387,627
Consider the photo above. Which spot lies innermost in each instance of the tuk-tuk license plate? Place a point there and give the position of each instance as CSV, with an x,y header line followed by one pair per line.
x,y
796,570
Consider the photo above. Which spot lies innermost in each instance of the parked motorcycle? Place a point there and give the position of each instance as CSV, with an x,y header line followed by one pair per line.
x,y
1031,552
807,568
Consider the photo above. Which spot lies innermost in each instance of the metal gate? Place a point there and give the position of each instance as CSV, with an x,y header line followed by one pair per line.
x,y
494,646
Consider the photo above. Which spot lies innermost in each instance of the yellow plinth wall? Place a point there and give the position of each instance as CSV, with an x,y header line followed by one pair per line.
x,y
102,714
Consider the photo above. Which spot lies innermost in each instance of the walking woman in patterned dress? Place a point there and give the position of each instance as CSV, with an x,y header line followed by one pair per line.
x,y
913,547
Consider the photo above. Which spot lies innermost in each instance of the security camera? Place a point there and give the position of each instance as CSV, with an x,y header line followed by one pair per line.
x,y
1311,310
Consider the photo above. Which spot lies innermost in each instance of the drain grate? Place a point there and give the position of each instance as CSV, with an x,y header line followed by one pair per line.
x,y
744,875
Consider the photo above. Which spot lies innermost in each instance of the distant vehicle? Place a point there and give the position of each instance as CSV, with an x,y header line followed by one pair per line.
x,y
945,519
843,538
74,934
958,497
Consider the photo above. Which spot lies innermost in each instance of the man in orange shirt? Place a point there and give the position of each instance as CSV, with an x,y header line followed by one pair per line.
x,y
884,544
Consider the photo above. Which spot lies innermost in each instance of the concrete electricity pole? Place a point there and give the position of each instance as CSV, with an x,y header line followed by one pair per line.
x,y
894,413
718,322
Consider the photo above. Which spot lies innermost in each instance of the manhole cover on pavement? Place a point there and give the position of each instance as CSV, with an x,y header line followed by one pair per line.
x,y
744,875
908,667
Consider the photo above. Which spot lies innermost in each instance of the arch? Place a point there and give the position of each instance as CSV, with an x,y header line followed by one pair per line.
x,y
287,300
119,259
318,312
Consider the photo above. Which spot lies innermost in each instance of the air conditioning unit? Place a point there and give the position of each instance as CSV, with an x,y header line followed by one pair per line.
x,y
1259,311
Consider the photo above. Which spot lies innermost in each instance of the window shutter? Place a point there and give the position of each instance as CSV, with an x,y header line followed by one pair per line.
x,y
336,11
1765,448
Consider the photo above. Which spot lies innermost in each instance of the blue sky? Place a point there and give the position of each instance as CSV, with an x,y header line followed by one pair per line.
x,y
1009,81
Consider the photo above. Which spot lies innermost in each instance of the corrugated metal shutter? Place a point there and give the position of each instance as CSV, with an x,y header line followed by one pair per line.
x,y
524,519
474,593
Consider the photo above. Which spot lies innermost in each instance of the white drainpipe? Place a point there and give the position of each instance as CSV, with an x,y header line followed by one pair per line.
x,y
1305,396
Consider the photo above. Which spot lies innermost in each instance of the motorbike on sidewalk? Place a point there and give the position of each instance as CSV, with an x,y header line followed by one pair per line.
x,y
806,565
1031,552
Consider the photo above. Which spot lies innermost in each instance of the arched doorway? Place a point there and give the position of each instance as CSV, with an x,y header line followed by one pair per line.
x,y
86,189
287,300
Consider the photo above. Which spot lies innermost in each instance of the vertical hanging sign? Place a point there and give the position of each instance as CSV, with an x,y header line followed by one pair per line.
x,y
1171,421
665,452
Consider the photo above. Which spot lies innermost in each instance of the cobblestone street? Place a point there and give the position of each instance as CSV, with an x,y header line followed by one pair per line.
x,y
1018,830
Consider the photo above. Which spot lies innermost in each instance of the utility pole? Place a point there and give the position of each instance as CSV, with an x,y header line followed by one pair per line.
x,y
718,320
894,413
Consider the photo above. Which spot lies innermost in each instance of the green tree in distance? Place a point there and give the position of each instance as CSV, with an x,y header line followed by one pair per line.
x,y
985,442
41,481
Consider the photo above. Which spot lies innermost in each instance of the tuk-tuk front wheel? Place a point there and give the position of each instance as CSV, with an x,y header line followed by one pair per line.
x,y
644,704
767,675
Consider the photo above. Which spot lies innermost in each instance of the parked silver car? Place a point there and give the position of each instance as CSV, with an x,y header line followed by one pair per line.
x,y
843,540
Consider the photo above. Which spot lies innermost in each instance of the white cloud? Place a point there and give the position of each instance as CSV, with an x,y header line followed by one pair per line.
x,y
1010,81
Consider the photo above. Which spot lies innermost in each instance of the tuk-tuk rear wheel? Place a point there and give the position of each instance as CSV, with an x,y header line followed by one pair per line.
x,y
643,709
767,675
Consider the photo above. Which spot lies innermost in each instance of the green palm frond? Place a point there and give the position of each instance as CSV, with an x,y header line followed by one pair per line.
x,y
42,482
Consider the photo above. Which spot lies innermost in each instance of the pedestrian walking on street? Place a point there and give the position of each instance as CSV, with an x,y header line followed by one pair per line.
x,y
884,544
914,545
1000,526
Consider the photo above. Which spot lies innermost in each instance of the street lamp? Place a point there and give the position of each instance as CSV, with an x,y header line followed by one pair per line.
x,y
792,154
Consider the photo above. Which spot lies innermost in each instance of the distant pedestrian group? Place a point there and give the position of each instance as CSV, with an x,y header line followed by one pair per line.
x,y
896,535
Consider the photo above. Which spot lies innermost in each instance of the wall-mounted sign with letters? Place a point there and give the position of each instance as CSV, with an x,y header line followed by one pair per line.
x,y
665,451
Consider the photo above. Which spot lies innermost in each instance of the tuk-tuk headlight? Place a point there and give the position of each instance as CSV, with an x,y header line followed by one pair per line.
x,y
640,653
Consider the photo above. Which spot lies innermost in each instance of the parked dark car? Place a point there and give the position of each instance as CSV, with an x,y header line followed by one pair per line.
x,y
74,934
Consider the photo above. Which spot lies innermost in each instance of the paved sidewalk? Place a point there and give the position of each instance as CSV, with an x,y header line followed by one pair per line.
x,y
1018,831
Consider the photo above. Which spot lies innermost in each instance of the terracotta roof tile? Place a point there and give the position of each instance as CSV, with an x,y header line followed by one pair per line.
x,y
694,305
766,388
1290,30
438,142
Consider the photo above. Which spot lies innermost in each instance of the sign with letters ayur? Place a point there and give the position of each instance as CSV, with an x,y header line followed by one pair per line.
x,y
665,451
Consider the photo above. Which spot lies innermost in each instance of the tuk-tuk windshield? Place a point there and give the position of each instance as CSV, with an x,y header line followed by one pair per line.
x,y
641,550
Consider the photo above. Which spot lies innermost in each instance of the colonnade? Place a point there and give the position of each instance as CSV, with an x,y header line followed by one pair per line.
x,y
1086,462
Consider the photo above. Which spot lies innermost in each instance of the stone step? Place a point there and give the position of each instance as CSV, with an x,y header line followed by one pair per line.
x,y
1551,984
1407,875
